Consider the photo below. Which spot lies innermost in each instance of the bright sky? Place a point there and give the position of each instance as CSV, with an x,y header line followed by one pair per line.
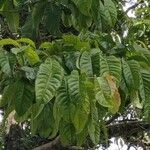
x,y
129,4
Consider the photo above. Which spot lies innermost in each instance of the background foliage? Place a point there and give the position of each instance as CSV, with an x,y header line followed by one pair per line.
x,y
66,66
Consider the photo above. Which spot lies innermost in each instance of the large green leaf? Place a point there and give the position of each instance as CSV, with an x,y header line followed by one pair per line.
x,y
48,80
78,95
23,97
94,126
27,29
12,15
145,92
72,41
8,95
84,6
4,63
111,65
131,73
38,12
110,12
63,106
17,96
95,9
26,41
67,133
107,93
31,55
8,41
52,18
44,122
85,63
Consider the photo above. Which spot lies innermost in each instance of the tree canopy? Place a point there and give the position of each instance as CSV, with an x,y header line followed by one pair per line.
x,y
69,68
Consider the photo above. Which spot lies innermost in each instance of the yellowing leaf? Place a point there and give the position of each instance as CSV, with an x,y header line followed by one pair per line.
x,y
114,93
27,41
107,93
31,55
8,41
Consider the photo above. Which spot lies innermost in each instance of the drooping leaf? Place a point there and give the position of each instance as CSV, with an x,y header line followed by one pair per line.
x,y
8,96
131,72
93,126
48,80
4,63
67,133
111,65
8,41
31,55
24,98
26,41
43,123
27,29
110,12
86,64
37,13
145,93
63,107
107,93
74,41
79,97
11,18
52,18
84,6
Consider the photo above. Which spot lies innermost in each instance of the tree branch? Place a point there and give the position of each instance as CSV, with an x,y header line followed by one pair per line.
x,y
112,118
48,145
127,128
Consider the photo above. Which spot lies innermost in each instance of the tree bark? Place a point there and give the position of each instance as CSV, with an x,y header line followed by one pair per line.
x,y
13,138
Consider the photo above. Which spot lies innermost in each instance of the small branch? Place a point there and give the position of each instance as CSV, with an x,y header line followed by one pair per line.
x,y
49,145
127,128
112,118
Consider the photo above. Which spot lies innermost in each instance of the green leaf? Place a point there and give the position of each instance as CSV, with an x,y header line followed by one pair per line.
x,y
30,72
48,80
78,95
38,12
4,63
94,127
52,18
111,65
107,93
46,45
63,106
84,6
86,64
24,98
8,41
145,93
31,55
8,95
12,15
95,9
72,41
110,12
131,73
44,122
67,133
27,41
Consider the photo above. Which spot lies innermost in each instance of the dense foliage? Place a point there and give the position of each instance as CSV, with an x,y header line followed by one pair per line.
x,y
86,61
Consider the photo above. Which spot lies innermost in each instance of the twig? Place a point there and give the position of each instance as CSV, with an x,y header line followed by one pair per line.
x,y
112,119
48,145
